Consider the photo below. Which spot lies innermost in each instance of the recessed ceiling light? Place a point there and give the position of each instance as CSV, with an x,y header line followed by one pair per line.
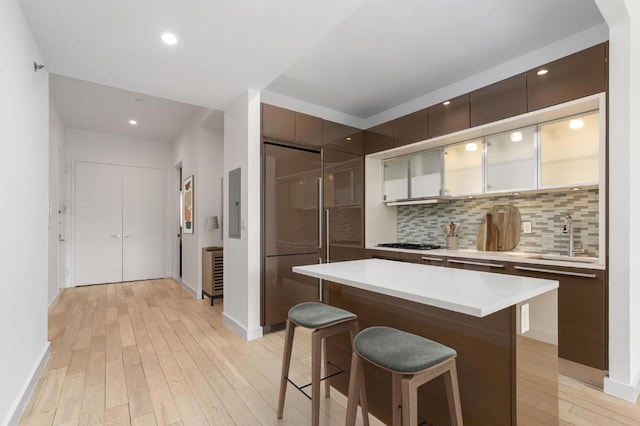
x,y
446,102
348,139
516,136
133,122
576,123
543,71
169,38
471,147
577,188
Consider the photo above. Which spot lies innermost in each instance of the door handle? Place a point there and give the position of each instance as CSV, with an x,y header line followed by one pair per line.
x,y
115,236
320,285
320,213
129,235
327,234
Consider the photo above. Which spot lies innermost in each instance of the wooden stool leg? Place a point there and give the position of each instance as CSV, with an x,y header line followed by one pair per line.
x,y
409,402
286,362
316,363
355,391
396,399
327,384
453,395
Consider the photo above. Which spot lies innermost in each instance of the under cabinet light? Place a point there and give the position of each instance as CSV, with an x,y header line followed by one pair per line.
x,y
516,136
471,147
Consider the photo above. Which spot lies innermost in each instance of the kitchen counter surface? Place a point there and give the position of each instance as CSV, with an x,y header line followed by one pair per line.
x,y
458,290
508,256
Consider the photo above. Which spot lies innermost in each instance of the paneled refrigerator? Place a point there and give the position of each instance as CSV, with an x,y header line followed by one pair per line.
x,y
292,226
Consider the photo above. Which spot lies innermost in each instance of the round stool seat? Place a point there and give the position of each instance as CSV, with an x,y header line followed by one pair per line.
x,y
400,351
318,315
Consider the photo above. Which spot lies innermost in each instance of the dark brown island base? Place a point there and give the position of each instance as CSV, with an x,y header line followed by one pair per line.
x,y
505,378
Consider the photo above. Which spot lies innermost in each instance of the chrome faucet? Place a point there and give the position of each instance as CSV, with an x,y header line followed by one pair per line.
x,y
568,223
568,229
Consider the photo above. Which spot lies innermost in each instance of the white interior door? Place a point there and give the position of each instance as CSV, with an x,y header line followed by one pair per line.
x,y
143,223
98,224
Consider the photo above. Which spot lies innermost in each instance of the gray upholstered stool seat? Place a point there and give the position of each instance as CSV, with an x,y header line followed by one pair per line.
x,y
400,351
412,361
325,321
318,315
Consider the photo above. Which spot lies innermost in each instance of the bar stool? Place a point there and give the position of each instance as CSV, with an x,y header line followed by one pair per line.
x,y
413,361
326,321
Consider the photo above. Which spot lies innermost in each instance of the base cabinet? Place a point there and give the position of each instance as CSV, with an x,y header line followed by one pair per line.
x,y
582,314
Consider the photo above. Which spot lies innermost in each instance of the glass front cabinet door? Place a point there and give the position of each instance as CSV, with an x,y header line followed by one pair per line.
x,y
395,182
463,168
511,160
570,151
426,174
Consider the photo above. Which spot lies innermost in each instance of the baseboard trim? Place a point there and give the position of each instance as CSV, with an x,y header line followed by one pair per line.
x,y
628,392
55,299
187,288
21,403
240,330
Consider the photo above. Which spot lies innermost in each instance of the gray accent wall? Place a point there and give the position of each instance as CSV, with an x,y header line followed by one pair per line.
x,y
546,212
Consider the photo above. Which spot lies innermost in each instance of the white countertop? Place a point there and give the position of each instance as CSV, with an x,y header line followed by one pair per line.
x,y
508,256
459,290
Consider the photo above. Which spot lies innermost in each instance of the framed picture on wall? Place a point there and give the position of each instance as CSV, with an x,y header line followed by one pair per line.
x,y
188,224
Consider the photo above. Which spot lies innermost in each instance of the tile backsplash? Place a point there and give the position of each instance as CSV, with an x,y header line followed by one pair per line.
x,y
546,212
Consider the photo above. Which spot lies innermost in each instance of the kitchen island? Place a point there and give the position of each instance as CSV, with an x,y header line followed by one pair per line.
x,y
503,375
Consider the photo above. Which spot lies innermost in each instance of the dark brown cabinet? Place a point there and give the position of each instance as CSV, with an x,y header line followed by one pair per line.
x,y
378,138
582,316
449,118
411,128
278,123
506,98
308,129
572,77
342,138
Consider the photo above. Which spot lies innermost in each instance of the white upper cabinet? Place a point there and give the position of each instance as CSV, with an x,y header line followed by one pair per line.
x,y
511,160
395,182
426,174
570,151
463,168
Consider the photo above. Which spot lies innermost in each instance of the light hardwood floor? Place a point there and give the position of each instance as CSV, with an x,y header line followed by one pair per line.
x,y
147,353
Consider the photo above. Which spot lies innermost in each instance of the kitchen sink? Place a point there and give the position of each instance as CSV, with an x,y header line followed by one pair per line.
x,y
559,257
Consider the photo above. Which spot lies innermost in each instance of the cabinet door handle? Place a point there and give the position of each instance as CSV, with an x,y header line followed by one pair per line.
x,y
320,213
554,271
320,285
129,235
327,234
433,259
466,262
115,236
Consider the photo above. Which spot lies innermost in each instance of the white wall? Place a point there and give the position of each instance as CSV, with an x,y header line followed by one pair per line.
x,y
624,197
242,256
85,145
56,151
200,151
24,132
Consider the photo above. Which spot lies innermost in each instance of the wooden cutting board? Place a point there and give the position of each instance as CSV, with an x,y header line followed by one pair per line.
x,y
481,242
507,219
488,235
491,235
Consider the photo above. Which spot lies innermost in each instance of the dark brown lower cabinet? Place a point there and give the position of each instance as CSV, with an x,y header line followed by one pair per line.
x,y
486,350
582,312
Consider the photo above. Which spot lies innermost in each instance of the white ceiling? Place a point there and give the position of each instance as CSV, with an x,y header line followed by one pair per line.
x,y
91,106
357,57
